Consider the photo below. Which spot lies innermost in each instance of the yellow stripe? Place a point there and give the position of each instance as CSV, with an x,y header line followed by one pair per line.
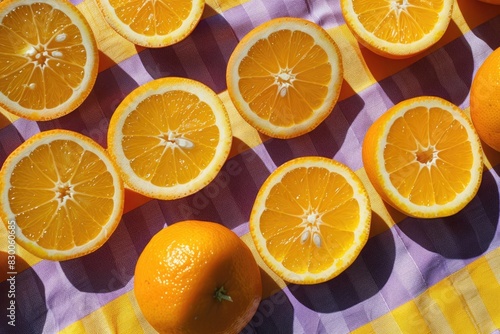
x,y
486,278
465,302
122,315
366,329
452,305
384,325
408,317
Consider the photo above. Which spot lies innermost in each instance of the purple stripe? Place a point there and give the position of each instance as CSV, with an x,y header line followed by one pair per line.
x,y
249,15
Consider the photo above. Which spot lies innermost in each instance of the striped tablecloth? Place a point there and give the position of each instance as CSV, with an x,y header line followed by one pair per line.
x,y
413,276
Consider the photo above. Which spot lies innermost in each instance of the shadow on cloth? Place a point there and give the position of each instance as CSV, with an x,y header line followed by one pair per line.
x,y
326,139
361,280
206,50
466,234
473,11
92,117
30,304
447,72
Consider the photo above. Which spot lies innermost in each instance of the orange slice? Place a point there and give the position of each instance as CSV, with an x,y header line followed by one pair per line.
x,y
170,137
424,157
152,23
63,193
48,58
284,77
399,28
310,220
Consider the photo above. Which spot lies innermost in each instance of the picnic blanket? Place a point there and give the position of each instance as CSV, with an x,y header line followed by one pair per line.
x,y
413,275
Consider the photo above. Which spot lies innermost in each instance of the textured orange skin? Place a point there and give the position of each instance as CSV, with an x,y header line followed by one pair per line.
x,y
485,100
181,268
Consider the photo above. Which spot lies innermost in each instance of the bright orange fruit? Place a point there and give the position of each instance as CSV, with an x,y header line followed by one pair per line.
x,y
197,277
310,219
397,29
170,137
48,58
152,23
485,100
424,157
63,193
284,76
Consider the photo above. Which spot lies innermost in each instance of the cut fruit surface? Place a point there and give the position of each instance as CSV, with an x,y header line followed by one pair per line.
x,y
310,219
152,23
424,157
284,77
397,28
48,58
170,137
63,193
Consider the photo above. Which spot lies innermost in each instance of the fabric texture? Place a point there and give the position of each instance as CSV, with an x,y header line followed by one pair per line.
x,y
413,275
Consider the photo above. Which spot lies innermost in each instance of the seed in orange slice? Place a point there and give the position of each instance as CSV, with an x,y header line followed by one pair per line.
x,y
48,58
424,157
152,23
310,219
63,193
170,137
397,28
284,76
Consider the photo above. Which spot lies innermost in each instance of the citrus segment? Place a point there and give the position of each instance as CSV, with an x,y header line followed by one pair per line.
x,y
424,157
197,277
170,137
310,219
48,58
152,23
63,193
397,28
284,77
485,100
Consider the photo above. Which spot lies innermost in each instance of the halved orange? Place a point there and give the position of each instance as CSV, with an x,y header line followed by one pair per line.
x,y
48,58
424,157
310,219
152,23
63,193
170,137
400,28
284,76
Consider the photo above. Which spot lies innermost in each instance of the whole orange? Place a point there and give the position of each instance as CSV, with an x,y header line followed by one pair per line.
x,y
485,100
197,277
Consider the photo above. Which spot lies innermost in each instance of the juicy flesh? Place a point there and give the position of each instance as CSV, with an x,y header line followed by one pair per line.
x,y
428,156
42,58
398,21
152,17
284,78
61,195
310,219
170,138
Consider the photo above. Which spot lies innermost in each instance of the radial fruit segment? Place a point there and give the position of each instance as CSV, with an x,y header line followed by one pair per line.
x,y
424,157
152,23
170,137
397,28
63,193
48,58
310,219
285,77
